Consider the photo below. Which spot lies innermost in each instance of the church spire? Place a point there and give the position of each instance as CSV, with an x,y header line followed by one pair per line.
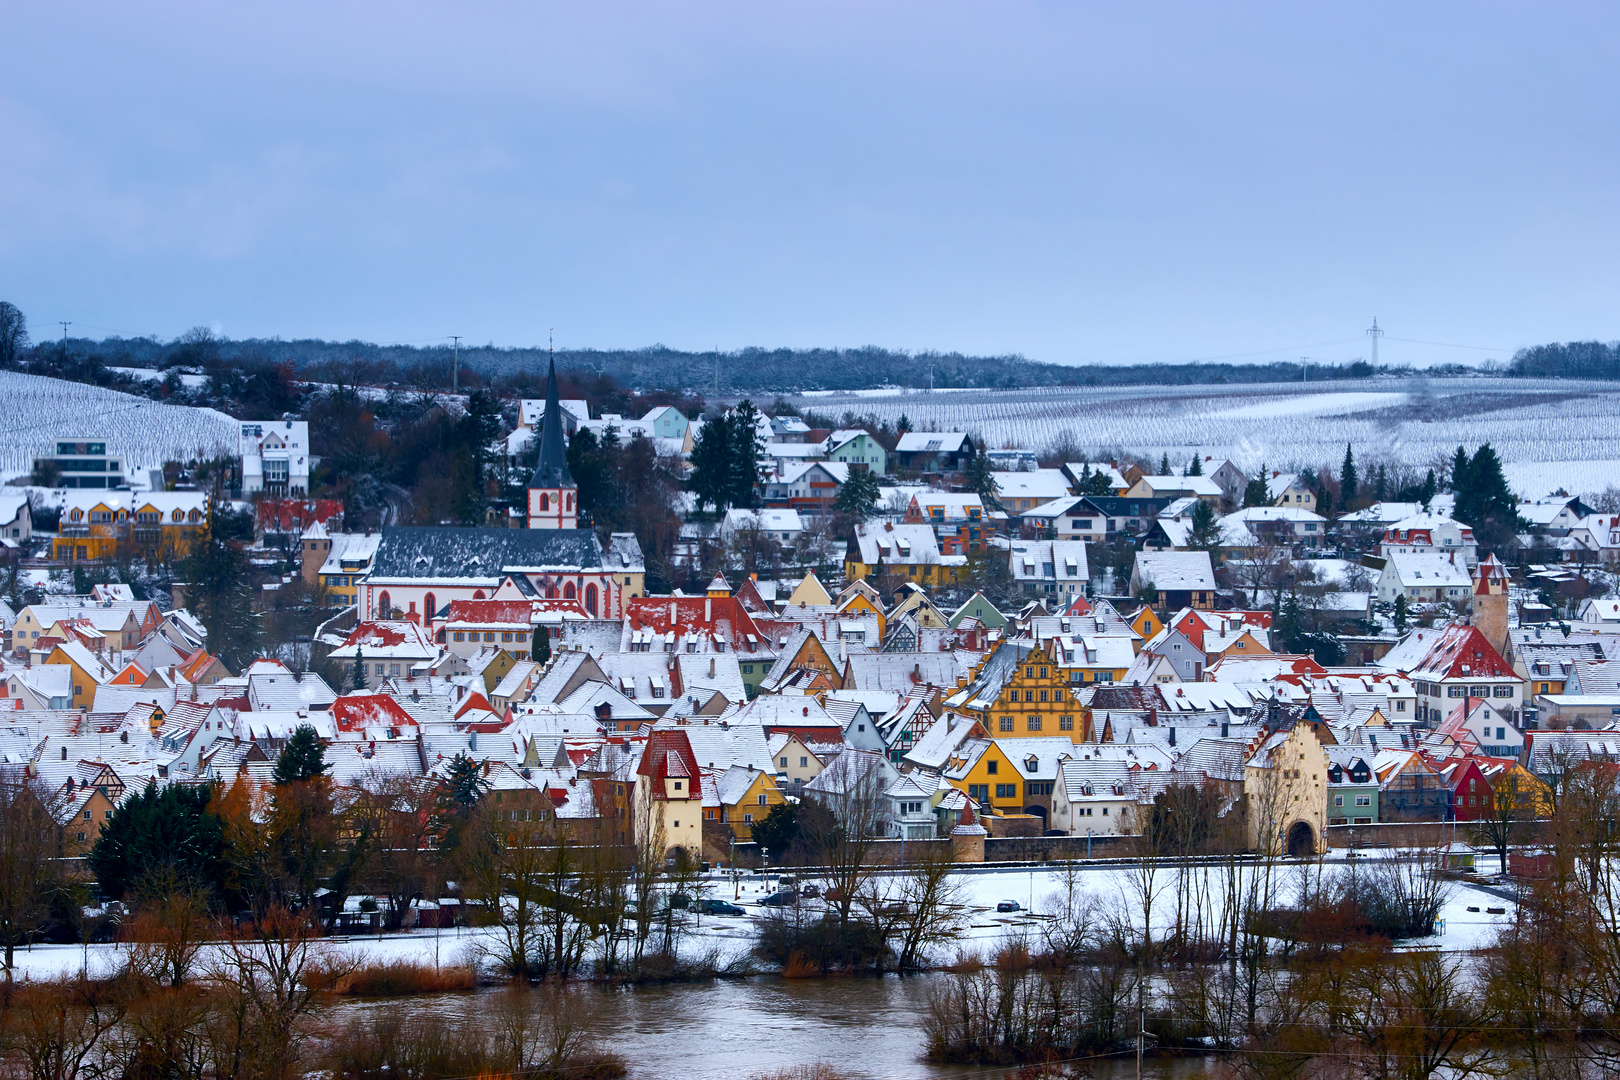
x,y
552,470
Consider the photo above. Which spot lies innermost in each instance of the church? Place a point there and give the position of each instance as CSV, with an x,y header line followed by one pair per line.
x,y
417,571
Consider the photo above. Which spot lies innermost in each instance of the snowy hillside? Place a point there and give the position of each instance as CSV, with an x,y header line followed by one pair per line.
x,y
36,411
1549,432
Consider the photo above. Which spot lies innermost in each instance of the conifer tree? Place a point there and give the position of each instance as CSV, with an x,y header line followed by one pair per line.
x,y
357,677
1164,464
1197,466
1348,480
540,647
303,758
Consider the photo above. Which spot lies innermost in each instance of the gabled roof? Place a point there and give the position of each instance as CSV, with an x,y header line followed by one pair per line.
x,y
481,556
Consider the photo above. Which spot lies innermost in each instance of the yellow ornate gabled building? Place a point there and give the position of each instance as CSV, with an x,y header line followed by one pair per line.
x,y
98,525
1019,691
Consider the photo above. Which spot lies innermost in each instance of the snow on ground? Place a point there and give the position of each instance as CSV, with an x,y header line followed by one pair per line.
x,y
1539,479
1565,426
1109,889
35,411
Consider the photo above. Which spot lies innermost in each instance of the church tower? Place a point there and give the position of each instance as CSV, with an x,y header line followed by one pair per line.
x,y
552,492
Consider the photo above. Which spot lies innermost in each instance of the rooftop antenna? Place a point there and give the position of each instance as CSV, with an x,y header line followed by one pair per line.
x,y
455,371
1375,334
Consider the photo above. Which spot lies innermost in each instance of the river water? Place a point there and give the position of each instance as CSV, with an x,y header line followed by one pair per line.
x,y
864,1028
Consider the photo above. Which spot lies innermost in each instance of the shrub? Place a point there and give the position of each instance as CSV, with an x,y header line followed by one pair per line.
x,y
390,978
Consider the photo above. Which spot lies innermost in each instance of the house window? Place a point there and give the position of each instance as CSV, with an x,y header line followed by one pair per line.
x,y
1363,800
979,792
782,762
1006,723
1034,723
804,762
992,767
1065,723
1006,791
748,819
1338,800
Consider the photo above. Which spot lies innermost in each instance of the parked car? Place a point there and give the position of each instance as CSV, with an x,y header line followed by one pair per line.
x,y
707,906
680,901
810,890
1008,905
781,899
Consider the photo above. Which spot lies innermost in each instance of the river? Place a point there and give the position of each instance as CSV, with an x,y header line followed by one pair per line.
x,y
866,1029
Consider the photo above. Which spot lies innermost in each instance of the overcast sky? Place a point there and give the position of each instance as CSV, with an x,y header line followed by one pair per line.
x,y
1076,182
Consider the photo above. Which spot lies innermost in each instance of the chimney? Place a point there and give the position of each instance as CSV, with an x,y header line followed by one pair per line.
x,y
711,667
708,609
672,614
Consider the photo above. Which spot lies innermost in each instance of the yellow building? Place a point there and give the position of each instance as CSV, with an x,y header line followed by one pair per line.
x,y
987,776
98,525
910,552
1146,622
1020,691
88,672
746,796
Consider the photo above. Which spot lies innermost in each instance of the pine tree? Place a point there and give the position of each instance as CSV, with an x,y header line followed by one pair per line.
x,y
153,829
1197,466
1255,493
1164,465
1347,480
711,463
859,495
1430,489
743,470
463,781
357,677
902,425
540,647
219,592
1459,472
1381,484
978,476
1205,534
303,758
1400,612
1487,496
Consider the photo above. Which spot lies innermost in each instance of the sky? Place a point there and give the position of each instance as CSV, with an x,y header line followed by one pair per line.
x,y
1076,182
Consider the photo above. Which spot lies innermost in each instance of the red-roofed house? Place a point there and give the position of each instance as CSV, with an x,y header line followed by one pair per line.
x,y
691,624
356,713
1460,664
388,650
667,809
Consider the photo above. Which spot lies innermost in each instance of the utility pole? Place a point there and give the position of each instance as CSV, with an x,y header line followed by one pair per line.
x,y
455,370
1375,334
1304,369
65,324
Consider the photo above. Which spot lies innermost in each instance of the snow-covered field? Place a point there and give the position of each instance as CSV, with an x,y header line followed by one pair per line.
x,y
1108,890
36,411
1551,433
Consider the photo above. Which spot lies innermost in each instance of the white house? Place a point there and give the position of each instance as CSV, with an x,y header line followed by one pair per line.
x,y
1428,577
1049,567
781,526
275,456
1428,533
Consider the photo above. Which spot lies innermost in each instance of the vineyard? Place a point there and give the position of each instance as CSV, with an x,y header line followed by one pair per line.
x,y
36,411
1551,433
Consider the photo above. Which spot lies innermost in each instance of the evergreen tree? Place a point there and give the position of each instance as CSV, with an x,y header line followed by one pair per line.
x,y
1205,534
540,647
171,828
711,463
1381,484
1164,464
1197,466
463,782
777,830
859,495
303,758
1485,495
743,470
902,425
357,677
1400,612
1348,480
1254,493
978,476
1098,484
1429,490
1459,471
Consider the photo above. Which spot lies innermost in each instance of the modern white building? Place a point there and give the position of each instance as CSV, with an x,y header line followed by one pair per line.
x,y
275,457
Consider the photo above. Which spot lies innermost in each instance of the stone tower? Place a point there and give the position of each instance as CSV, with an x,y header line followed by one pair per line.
x,y
1488,607
553,494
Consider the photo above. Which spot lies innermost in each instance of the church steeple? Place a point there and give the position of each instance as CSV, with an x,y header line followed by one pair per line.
x,y
551,489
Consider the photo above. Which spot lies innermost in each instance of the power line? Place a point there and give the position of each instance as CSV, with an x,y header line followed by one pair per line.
x,y
1452,345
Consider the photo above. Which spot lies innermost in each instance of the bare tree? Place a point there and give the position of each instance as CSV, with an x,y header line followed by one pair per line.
x,y
31,850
